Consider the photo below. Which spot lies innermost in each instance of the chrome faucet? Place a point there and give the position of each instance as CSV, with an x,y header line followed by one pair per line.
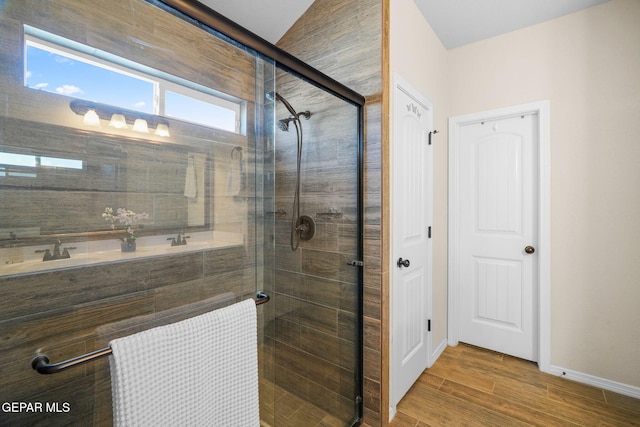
x,y
56,252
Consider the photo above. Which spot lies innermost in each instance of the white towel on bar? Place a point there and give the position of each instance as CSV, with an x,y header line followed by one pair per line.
x,y
234,177
201,371
190,180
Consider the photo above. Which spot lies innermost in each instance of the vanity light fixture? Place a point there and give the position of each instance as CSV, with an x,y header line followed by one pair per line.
x,y
119,118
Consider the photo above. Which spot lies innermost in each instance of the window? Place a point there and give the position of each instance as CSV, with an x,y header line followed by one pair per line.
x,y
198,111
23,165
65,67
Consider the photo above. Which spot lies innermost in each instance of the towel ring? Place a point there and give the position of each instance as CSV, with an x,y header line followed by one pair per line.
x,y
239,150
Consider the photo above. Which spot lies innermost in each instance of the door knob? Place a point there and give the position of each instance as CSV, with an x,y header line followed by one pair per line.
x,y
529,249
403,263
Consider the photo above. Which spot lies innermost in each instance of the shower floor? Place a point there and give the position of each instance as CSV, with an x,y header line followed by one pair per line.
x,y
279,408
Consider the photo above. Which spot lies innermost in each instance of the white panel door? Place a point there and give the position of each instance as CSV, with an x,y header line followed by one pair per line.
x,y
498,229
412,190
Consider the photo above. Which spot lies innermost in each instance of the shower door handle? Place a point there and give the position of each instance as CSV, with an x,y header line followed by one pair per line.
x,y
403,263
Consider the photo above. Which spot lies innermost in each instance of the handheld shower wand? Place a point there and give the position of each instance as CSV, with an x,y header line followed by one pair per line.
x,y
302,227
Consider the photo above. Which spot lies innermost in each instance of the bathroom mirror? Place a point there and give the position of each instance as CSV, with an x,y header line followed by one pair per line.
x,y
97,123
58,180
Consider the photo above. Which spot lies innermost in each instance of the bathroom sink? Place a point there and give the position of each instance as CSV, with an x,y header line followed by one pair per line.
x,y
168,249
39,265
189,246
109,251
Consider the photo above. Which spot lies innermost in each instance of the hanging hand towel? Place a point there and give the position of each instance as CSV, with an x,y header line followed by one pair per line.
x,y
190,180
234,176
201,371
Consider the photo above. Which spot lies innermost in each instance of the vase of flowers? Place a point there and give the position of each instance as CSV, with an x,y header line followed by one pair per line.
x,y
126,219
128,246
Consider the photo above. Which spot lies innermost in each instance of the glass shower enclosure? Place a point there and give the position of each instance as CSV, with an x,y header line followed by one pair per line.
x,y
156,163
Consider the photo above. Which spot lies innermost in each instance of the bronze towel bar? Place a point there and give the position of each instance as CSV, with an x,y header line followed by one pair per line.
x,y
41,362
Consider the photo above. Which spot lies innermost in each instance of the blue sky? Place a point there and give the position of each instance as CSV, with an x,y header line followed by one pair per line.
x,y
64,75
59,74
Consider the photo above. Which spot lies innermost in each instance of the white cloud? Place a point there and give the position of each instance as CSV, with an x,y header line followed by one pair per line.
x,y
40,85
62,60
139,104
68,90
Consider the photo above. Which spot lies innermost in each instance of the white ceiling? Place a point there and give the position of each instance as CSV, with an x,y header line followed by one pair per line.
x,y
269,19
456,22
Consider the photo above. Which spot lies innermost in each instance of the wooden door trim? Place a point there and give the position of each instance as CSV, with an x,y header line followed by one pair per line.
x,y
541,108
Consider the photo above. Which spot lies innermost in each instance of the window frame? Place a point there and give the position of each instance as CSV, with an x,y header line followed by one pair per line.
x,y
162,81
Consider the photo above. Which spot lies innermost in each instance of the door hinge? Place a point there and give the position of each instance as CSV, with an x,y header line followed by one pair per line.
x,y
429,325
429,232
433,132
356,263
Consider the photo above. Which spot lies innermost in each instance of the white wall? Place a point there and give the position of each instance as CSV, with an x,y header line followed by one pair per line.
x,y
587,65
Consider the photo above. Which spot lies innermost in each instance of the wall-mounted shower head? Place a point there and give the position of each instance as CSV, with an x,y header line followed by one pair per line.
x,y
283,124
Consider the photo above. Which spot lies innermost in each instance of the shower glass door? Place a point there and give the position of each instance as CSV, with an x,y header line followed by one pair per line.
x,y
311,327
151,170
127,190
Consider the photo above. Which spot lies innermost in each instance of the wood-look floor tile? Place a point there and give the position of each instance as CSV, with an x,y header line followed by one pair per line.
x,y
502,405
455,391
436,408
621,401
431,379
331,421
599,409
403,420
476,380
542,403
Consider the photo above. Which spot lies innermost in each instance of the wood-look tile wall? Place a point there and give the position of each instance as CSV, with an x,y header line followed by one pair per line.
x,y
313,331
71,312
344,40
66,313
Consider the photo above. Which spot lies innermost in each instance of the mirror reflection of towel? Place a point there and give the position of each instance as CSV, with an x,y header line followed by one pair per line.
x,y
234,177
190,181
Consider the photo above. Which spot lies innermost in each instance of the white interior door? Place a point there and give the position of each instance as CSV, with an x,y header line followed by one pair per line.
x,y
497,235
412,189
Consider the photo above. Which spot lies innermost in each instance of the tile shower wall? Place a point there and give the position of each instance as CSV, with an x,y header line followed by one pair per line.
x,y
69,312
312,333
344,40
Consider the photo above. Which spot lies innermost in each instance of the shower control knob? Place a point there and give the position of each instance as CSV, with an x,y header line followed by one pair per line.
x,y
403,263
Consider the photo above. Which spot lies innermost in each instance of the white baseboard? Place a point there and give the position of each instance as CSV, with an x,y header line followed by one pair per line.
x,y
627,390
440,348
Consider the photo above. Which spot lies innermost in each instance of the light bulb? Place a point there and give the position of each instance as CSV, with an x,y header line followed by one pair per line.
x,y
140,125
118,121
162,130
91,118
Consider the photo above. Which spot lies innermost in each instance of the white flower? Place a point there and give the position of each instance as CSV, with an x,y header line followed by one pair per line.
x,y
123,216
